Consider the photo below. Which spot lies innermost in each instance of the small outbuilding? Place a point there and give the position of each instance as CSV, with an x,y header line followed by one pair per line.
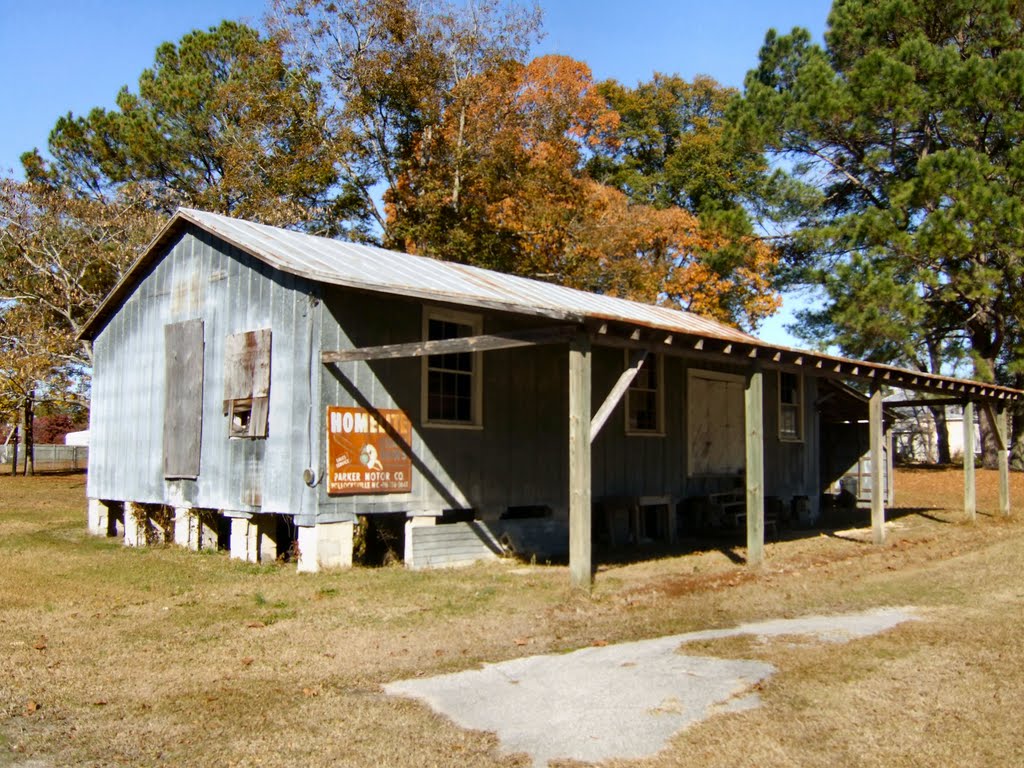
x,y
268,391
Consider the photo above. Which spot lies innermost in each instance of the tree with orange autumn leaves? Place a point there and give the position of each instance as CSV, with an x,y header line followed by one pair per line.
x,y
459,148
503,182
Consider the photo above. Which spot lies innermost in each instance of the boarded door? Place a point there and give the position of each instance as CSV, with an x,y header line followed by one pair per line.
x,y
715,423
183,404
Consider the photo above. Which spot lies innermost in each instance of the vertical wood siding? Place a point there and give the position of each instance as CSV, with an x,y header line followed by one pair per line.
x,y
520,456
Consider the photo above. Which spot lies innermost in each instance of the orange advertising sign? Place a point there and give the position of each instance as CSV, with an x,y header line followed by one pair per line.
x,y
363,455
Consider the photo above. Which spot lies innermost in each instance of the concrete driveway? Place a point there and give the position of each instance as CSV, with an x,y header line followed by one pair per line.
x,y
623,700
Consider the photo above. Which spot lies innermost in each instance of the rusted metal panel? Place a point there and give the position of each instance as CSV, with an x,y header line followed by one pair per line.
x,y
247,382
247,364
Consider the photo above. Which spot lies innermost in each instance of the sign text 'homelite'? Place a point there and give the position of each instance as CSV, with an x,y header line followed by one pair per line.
x,y
363,455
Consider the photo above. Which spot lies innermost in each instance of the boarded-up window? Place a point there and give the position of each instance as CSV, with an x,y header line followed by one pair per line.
x,y
715,423
247,383
183,403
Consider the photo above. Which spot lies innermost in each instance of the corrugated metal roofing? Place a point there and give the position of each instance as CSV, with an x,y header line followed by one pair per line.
x,y
376,269
366,267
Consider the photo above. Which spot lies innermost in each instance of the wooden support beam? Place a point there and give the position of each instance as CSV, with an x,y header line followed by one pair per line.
x,y
924,402
753,402
1003,447
877,459
890,475
970,498
580,552
625,379
711,349
483,343
993,414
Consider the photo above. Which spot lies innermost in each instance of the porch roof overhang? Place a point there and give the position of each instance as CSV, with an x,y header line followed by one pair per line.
x,y
749,352
755,352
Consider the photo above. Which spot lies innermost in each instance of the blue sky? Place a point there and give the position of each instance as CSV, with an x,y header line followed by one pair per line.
x,y
58,56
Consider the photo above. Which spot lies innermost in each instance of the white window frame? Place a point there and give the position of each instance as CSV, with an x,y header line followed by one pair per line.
x,y
799,406
659,397
691,374
475,322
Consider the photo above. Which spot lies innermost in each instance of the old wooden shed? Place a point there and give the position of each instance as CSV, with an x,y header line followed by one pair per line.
x,y
261,387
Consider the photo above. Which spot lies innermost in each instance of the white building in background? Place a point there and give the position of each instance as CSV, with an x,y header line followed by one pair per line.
x,y
915,436
77,438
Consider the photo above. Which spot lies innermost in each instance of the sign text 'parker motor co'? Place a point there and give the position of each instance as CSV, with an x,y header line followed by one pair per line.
x,y
367,451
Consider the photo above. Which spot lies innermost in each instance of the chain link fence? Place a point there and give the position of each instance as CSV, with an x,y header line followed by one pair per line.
x,y
47,458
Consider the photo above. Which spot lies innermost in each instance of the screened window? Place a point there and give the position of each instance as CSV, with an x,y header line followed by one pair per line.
x,y
451,380
644,399
790,406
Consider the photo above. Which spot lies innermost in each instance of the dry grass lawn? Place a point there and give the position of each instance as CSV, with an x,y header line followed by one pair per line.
x,y
111,656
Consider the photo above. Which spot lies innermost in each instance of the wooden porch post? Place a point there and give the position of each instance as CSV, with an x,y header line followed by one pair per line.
x,y
877,487
580,560
1004,459
890,476
970,504
754,430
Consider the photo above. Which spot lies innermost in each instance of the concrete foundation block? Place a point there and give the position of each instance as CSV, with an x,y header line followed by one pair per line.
x,y
99,518
135,523
194,529
325,545
244,540
185,528
409,556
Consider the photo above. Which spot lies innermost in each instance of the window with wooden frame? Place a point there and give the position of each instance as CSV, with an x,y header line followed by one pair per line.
x,y
791,420
451,381
644,399
247,383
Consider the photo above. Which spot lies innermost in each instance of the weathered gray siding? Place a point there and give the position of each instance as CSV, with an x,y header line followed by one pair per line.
x,y
519,457
791,468
201,278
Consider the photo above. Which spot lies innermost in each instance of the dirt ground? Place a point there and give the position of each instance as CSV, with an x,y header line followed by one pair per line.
x,y
114,656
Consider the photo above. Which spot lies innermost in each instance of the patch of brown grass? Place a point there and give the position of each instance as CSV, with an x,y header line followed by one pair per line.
x,y
115,656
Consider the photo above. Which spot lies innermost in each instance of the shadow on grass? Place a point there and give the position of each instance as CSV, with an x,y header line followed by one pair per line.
x,y
732,543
